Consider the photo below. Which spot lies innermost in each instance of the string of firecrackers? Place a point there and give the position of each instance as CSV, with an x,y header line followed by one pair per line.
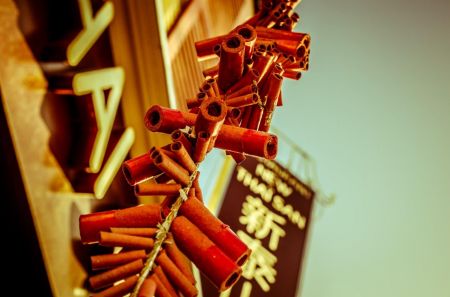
x,y
233,112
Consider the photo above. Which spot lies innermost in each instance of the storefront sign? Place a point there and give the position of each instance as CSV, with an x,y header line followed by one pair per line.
x,y
270,211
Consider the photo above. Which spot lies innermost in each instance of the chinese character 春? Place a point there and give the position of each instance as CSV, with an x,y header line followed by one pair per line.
x,y
261,221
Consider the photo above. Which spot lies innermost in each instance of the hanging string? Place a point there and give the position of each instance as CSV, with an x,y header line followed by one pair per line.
x,y
161,234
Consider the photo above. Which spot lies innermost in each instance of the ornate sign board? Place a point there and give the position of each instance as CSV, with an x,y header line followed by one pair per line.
x,y
89,139
270,209
61,90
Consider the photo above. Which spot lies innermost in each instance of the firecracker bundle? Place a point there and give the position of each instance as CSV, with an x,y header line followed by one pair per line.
x,y
156,243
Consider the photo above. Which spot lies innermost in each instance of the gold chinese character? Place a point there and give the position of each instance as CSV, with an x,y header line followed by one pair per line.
x,y
259,220
260,265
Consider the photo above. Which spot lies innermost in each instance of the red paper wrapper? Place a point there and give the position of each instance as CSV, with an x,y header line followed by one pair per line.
x,y
99,262
232,138
248,89
212,71
165,281
183,156
138,216
161,290
162,119
274,88
144,232
231,63
205,48
216,266
170,167
216,230
125,241
244,100
255,118
120,289
156,189
148,288
275,34
263,64
139,169
180,281
180,260
247,141
111,276
292,74
201,146
247,79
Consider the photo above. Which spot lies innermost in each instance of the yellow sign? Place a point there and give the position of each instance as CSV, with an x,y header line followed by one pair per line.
x,y
96,83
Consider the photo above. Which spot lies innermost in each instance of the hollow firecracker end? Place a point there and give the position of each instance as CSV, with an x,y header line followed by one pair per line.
x,y
248,33
201,145
211,261
139,169
170,167
182,156
211,116
166,120
241,140
139,216
178,135
231,63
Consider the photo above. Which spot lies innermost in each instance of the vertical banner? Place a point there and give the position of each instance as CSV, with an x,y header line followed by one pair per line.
x,y
269,209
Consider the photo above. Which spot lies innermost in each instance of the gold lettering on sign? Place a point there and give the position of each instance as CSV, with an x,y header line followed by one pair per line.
x,y
96,82
267,193
271,179
113,163
286,209
93,27
262,220
259,220
298,186
246,289
254,184
260,265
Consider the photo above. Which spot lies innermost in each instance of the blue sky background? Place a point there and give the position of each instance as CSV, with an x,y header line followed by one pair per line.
x,y
374,112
